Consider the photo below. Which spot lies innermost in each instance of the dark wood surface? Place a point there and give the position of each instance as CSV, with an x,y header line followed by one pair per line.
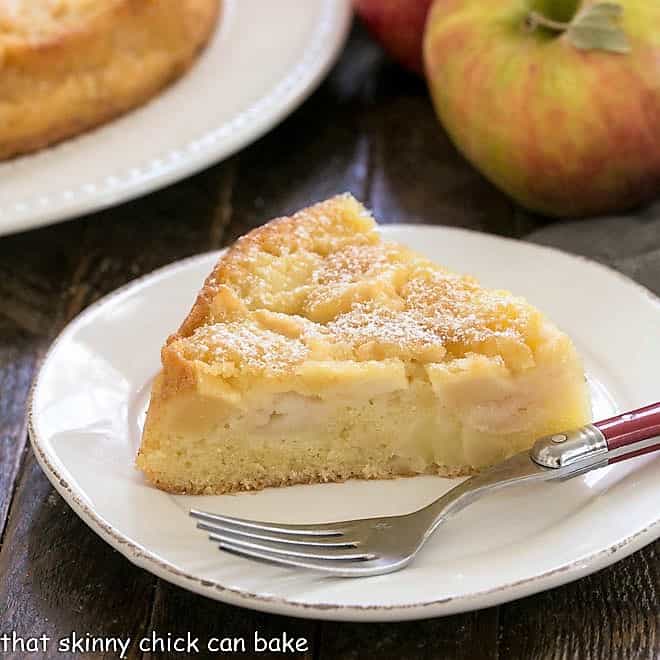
x,y
369,129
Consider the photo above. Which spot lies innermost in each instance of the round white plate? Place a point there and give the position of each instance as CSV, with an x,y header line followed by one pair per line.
x,y
264,59
89,399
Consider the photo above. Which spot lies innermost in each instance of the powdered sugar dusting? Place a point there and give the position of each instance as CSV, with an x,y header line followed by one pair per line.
x,y
322,285
244,345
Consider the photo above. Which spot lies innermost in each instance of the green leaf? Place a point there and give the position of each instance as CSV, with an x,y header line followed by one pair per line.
x,y
597,28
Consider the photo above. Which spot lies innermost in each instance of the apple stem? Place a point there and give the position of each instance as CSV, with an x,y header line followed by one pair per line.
x,y
534,19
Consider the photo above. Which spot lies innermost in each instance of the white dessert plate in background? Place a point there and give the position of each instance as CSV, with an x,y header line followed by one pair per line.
x,y
88,404
264,59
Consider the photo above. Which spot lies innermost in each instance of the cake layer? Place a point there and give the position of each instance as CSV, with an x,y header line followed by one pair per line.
x,y
448,423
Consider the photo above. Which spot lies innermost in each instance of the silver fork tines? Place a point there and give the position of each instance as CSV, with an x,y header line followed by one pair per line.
x,y
225,532
372,546
331,529
312,553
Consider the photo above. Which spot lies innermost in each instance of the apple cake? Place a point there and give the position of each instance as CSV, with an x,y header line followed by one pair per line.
x,y
69,65
317,351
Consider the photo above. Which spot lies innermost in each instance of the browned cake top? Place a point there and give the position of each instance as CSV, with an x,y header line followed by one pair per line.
x,y
323,286
37,19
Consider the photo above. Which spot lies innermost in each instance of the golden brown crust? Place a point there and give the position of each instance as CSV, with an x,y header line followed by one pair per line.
x,y
90,70
157,480
322,286
341,218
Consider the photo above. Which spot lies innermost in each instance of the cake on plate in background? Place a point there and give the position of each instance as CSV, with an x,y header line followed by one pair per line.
x,y
69,65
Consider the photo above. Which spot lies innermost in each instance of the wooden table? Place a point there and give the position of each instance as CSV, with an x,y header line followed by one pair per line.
x,y
369,129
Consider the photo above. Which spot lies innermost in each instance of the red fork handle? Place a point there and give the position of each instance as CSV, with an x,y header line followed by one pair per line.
x,y
631,428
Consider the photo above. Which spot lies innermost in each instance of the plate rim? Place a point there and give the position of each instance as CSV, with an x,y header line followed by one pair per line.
x,y
150,561
276,103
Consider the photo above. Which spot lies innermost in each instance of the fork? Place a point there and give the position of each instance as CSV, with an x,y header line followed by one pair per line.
x,y
373,546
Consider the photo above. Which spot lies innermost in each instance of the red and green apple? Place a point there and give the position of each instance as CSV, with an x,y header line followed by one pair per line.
x,y
555,101
399,26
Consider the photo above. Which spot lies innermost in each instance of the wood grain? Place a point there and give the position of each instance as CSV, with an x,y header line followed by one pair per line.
x,y
612,614
58,577
36,272
369,129
471,636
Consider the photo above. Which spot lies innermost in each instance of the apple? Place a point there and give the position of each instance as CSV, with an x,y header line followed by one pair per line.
x,y
557,102
399,26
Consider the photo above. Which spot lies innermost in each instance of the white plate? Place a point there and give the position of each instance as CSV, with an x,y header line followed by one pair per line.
x,y
89,399
264,59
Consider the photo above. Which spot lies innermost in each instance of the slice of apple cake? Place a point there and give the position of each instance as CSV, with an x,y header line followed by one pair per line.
x,y
316,351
